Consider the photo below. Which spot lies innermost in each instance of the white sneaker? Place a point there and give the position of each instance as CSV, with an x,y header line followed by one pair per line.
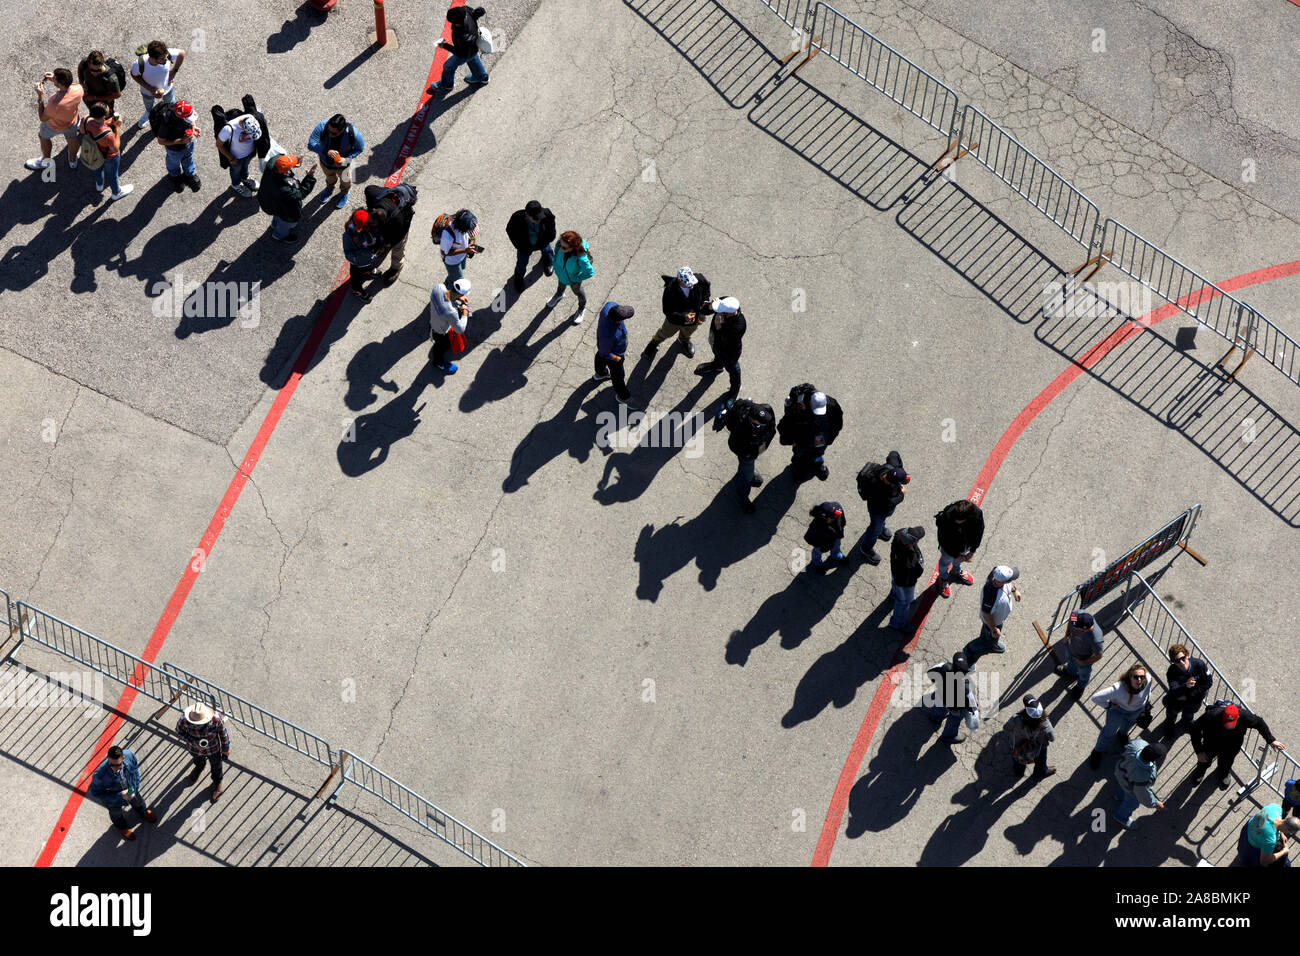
x,y
122,191
144,121
37,163
579,316
550,303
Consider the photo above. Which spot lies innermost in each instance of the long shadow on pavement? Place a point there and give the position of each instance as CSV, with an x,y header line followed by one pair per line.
x,y
559,434
792,612
882,796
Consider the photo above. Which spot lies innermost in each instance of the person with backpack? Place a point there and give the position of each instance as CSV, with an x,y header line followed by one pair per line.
x,y
953,699
1124,701
361,246
751,426
237,143
882,487
960,529
463,50
176,132
687,301
1135,779
572,268
725,334
905,565
455,233
809,425
391,211
101,131
531,229
1031,734
1189,680
58,118
281,196
824,534
339,137
1220,732
611,347
103,79
154,71
448,313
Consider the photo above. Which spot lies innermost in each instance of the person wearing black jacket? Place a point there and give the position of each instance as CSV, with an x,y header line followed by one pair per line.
x,y
751,427
280,195
881,487
391,211
824,534
531,229
725,332
810,423
905,566
1219,732
463,49
687,301
961,530
1189,680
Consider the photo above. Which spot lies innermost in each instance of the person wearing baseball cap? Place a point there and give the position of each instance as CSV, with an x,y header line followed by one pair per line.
x,y
611,347
361,247
1220,732
725,332
281,196
953,696
448,312
1135,778
203,733
177,134
1189,680
1084,645
337,144
809,424
1031,733
905,566
824,534
531,229
995,606
881,486
687,300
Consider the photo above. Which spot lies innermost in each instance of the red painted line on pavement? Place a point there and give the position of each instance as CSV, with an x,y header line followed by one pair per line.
x,y
236,487
876,709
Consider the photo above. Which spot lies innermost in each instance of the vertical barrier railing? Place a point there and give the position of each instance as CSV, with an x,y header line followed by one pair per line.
x,y
794,13
1265,339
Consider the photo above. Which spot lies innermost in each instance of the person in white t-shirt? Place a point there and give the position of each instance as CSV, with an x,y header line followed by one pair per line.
x,y
457,243
156,73
237,141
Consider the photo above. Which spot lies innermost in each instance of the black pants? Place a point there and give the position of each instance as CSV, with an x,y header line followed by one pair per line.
x,y
733,370
441,346
617,378
1225,758
214,761
1180,714
357,276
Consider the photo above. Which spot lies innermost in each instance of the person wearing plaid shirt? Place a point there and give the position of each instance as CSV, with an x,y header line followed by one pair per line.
x,y
204,735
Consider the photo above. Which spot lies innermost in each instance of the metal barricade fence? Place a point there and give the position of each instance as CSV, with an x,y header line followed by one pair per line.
x,y
793,12
1032,179
420,811
258,719
884,68
1275,346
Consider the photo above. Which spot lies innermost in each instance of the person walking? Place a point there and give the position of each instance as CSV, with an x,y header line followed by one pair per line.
x,y
58,117
448,312
103,128
824,534
725,334
1135,779
1124,701
751,426
809,424
116,784
464,50
454,235
686,302
531,229
952,700
337,144
1031,733
572,268
611,347
154,71
237,142
203,733
102,79
1219,733
996,599
392,210
1189,680
361,247
905,566
961,531
281,194
1084,645
177,133
882,487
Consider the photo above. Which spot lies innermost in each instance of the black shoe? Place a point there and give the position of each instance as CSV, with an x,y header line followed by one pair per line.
x,y
194,182
548,271
482,82
756,481
178,183
1060,671
872,558
1094,761
1198,774
885,534
708,368
689,348
1076,692
292,237
1223,783
823,472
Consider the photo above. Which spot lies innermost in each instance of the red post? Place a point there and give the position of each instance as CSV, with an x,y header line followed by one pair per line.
x,y
381,28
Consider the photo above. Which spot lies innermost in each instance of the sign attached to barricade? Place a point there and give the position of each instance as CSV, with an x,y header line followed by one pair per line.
x,y
1149,550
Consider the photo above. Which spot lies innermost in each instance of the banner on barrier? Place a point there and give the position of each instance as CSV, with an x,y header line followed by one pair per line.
x,y
1174,533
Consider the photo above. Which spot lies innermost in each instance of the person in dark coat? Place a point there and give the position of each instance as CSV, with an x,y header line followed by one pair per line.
x,y
905,566
391,211
881,487
687,301
810,424
961,531
463,49
725,332
1189,680
824,534
531,229
361,247
1220,732
611,347
751,426
953,698
280,195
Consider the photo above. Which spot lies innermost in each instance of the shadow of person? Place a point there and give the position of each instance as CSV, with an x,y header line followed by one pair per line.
x,y
368,366
1084,834
297,28
367,444
502,371
382,154
553,437
179,242
792,612
883,795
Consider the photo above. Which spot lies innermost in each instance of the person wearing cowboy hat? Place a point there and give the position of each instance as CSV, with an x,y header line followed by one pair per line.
x,y
281,194
725,332
203,733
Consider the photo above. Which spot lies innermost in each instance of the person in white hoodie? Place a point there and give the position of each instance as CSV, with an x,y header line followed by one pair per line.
x,y
448,311
1124,702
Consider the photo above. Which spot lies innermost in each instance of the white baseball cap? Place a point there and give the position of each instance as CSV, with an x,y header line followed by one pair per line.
x,y
727,305
686,277
461,286
819,403
1004,573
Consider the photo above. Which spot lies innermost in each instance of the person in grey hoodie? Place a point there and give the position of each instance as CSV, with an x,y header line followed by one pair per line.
x,y
448,311
1135,776
1124,702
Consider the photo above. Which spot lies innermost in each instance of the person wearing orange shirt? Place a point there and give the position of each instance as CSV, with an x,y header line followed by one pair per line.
x,y
58,117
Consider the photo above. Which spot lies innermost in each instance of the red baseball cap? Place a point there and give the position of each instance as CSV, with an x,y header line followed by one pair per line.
x,y
1230,715
183,109
360,218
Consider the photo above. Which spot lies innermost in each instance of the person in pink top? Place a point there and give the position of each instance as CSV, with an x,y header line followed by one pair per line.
x,y
58,117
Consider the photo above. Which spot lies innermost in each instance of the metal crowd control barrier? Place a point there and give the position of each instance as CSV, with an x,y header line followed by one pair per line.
x,y
1265,339
883,68
793,12
420,811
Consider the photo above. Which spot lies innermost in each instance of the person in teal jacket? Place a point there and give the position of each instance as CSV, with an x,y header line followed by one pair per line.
x,y
572,268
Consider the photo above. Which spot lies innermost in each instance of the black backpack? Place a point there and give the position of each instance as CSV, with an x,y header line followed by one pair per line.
x,y
870,471
159,118
119,71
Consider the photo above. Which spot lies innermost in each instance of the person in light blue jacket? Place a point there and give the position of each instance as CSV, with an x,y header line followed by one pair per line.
x,y
1135,777
340,138
572,268
116,783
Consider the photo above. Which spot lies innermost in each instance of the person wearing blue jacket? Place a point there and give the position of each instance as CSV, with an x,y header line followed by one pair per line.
x,y
1135,779
339,137
116,783
611,347
572,268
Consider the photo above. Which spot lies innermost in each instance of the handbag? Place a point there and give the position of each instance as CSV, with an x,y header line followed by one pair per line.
x,y
457,341
1145,718
485,40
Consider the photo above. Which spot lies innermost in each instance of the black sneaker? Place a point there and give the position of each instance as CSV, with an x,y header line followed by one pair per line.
x,y
823,472
885,534
872,558
482,82
194,182
756,481
292,237
707,368
689,348
178,183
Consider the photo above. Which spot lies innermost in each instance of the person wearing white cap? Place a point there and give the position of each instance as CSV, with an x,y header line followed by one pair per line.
x,y
203,733
995,605
1030,733
810,423
448,312
725,332
686,302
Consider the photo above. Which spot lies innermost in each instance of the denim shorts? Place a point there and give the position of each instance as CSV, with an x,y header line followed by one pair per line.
x,y
71,134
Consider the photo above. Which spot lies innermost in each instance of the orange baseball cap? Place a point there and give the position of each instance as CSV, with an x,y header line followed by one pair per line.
x,y
285,163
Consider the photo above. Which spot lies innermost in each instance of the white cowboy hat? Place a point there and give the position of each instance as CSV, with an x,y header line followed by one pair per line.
x,y
198,713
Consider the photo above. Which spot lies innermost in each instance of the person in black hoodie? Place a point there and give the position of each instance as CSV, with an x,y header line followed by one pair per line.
x,y
905,566
687,301
881,487
824,534
391,211
1220,732
531,229
810,424
751,427
1188,680
961,530
725,332
463,49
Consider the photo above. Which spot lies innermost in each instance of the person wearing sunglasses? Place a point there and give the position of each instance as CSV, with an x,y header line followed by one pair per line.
x,y
1124,700
116,784
1189,680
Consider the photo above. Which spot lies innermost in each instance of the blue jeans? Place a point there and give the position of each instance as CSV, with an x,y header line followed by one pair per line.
x,y
150,101
281,227
1117,721
836,554
180,162
118,815
454,272
986,643
876,526
523,255
903,597
1127,804
948,565
454,62
950,726
108,173
239,169
1082,672
745,477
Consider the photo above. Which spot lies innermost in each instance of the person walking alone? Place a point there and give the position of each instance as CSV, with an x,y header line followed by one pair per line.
x,y
572,268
